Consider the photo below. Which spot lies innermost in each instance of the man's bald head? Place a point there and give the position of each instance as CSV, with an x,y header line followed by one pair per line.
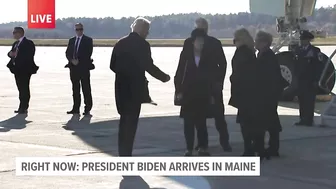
x,y
141,26
202,23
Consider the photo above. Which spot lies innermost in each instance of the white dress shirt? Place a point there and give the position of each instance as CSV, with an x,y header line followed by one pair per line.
x,y
197,60
20,40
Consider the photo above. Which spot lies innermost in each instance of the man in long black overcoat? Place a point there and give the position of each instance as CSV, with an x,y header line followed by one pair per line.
x,y
131,58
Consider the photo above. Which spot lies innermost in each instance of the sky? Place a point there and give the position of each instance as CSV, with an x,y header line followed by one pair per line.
x,y
126,8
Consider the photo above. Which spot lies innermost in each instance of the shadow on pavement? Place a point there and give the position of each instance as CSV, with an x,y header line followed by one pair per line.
x,y
319,106
14,123
163,136
159,135
134,182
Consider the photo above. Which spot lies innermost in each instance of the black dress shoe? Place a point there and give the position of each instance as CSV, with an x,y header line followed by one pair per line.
x,y
73,112
203,152
86,113
188,153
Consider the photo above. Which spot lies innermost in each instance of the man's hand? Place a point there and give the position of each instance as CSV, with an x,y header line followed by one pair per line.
x,y
74,62
12,54
166,79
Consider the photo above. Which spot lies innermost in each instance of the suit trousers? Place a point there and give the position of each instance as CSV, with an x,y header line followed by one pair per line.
x,y
274,141
307,105
220,121
79,78
253,140
128,125
248,138
190,123
22,83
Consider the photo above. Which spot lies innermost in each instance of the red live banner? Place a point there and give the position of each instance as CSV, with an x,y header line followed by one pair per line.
x,y
41,14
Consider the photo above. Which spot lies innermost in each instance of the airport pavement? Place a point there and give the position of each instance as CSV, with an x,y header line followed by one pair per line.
x,y
308,154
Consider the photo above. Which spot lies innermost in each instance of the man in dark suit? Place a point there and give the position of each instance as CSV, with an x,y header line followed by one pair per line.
x,y
79,53
22,65
216,51
131,58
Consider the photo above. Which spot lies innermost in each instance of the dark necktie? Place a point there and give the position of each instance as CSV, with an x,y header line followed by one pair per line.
x,y
76,48
15,49
16,46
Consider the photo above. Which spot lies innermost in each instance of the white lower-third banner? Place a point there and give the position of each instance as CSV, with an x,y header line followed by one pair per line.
x,y
134,166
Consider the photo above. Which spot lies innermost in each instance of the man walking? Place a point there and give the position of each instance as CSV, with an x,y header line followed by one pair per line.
x,y
214,47
22,65
79,53
131,58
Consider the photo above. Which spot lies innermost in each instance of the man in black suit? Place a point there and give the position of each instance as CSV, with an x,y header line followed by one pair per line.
x,y
216,51
22,65
79,53
131,58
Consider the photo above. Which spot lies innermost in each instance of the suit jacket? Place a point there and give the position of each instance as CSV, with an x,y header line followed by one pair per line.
x,y
131,58
24,62
84,54
199,84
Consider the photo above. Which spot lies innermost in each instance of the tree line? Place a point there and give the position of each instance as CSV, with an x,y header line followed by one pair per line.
x,y
174,26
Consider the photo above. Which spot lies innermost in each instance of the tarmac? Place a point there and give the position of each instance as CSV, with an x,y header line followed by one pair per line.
x,y
308,154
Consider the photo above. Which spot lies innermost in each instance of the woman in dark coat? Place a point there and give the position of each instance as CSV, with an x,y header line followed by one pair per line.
x,y
271,87
245,95
193,80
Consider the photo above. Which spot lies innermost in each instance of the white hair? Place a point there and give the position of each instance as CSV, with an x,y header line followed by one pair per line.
x,y
140,21
202,22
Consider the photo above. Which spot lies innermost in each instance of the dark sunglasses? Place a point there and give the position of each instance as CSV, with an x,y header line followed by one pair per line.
x,y
14,32
79,29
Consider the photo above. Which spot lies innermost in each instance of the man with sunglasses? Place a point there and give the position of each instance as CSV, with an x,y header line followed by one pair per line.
x,y
79,53
22,65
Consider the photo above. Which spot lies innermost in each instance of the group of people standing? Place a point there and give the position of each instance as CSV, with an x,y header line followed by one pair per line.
x,y
256,87
256,84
